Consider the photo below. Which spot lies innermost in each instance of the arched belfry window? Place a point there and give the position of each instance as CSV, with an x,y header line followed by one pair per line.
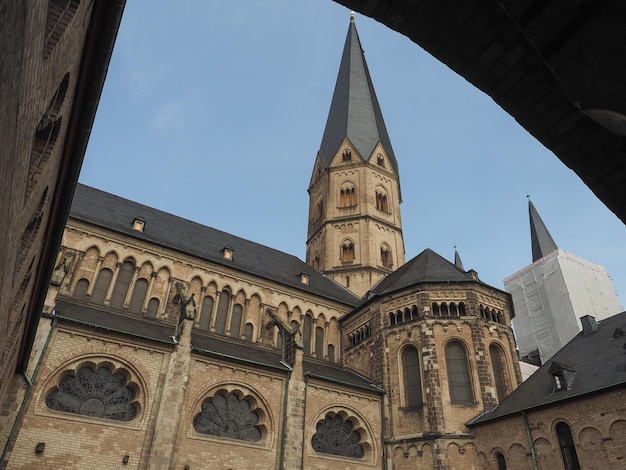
x,y
230,415
411,371
336,436
458,373
96,393
385,256
380,160
347,252
346,155
347,196
381,200
568,448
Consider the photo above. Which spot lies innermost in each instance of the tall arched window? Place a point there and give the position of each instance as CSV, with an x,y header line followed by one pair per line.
x,y
101,286
139,295
153,307
235,321
458,373
319,342
411,371
205,313
222,311
497,365
347,252
124,276
568,449
82,286
306,334
501,461
248,331
331,352
385,256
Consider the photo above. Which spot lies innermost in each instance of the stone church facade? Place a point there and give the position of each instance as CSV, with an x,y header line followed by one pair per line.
x,y
165,344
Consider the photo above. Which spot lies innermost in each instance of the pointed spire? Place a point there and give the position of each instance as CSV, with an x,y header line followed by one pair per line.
x,y
457,260
354,110
542,242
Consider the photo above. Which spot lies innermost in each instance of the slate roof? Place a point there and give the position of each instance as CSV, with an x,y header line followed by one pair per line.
x,y
220,347
117,214
542,242
354,110
428,266
99,317
598,363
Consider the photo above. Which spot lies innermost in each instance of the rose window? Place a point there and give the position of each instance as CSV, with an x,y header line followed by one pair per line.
x,y
228,416
337,437
99,394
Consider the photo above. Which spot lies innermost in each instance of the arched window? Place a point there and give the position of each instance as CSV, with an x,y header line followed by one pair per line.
x,y
101,286
235,321
336,436
98,394
458,373
347,196
60,13
124,276
381,201
205,313
319,342
462,311
453,310
347,155
331,352
306,334
279,340
497,365
139,295
380,160
222,311
435,307
411,371
80,291
153,307
568,449
248,331
385,256
229,416
347,252
501,461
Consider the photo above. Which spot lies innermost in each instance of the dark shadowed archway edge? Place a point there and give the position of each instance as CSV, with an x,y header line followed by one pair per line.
x,y
558,68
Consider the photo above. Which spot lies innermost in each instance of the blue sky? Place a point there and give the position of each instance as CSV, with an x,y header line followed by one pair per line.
x,y
215,110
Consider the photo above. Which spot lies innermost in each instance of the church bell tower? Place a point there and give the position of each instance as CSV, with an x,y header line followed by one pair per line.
x,y
355,228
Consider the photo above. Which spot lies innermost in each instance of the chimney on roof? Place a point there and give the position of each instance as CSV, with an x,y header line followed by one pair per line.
x,y
589,324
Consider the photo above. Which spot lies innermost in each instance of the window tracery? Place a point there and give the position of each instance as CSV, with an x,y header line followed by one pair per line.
x,y
337,436
98,394
229,416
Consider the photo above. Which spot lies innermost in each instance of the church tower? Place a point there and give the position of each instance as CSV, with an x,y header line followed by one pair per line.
x,y
355,228
553,293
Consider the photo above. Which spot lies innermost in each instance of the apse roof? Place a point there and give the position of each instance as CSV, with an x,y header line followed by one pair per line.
x,y
428,266
354,111
118,214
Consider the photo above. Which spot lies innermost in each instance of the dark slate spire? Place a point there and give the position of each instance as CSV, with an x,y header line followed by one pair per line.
x,y
541,240
457,259
354,111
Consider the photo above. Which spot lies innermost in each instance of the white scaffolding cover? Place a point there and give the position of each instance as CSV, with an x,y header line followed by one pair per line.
x,y
550,296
